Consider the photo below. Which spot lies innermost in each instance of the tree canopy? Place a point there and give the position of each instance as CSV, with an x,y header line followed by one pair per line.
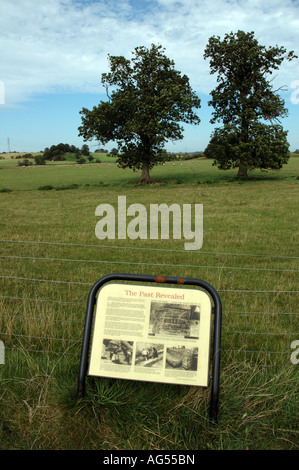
x,y
148,102
244,101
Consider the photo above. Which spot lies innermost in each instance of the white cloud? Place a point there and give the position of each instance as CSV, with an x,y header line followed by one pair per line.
x,y
63,44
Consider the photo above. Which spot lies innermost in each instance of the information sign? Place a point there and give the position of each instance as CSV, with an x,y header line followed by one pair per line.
x,y
156,334
139,329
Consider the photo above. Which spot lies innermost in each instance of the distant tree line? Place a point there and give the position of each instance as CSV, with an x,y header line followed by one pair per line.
x,y
57,152
173,156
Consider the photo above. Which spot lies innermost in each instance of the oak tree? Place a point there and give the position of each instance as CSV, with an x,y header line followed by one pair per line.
x,y
246,104
148,100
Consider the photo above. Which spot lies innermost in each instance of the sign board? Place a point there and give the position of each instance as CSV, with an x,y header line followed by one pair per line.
x,y
151,332
155,334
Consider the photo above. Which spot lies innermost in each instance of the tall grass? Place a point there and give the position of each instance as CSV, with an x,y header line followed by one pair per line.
x,y
41,323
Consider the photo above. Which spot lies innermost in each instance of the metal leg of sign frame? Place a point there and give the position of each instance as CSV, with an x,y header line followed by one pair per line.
x,y
217,311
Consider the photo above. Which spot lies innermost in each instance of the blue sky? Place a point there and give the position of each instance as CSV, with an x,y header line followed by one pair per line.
x,y
53,54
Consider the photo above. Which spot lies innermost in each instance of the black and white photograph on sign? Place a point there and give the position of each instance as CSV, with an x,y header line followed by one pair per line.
x,y
117,352
181,358
174,320
149,355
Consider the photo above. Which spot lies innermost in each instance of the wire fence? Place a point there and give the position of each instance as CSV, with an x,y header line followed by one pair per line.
x,y
45,315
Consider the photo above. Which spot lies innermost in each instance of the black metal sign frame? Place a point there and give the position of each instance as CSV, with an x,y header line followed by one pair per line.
x,y
216,310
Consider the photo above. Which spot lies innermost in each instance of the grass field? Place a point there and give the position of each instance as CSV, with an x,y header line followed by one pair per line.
x,y
249,253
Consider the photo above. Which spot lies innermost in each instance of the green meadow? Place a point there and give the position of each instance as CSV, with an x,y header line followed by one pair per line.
x,y
50,257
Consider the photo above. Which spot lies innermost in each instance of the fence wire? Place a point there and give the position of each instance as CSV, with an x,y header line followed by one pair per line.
x,y
46,316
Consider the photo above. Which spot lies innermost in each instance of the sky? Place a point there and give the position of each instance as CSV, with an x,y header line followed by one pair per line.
x,y
53,54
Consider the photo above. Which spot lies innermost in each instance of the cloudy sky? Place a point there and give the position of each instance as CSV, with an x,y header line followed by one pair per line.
x,y
53,54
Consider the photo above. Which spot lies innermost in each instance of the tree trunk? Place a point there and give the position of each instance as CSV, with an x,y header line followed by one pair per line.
x,y
145,176
242,173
